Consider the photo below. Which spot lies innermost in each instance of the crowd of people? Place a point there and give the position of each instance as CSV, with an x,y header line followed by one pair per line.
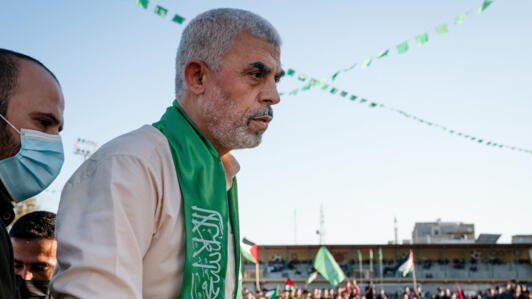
x,y
352,290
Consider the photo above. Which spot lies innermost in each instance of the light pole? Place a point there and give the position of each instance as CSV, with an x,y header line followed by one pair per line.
x,y
85,148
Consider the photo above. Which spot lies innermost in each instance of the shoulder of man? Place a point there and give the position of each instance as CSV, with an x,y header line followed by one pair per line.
x,y
145,146
141,143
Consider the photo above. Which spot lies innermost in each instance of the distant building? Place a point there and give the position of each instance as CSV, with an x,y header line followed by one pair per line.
x,y
521,239
443,232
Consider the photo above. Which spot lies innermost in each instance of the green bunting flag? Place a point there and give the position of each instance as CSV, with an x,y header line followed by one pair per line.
x,y
422,39
343,93
380,254
328,267
302,77
353,97
359,255
290,72
367,62
306,87
178,19
143,3
334,90
161,11
442,30
344,70
460,19
294,92
383,53
485,5
402,47
335,74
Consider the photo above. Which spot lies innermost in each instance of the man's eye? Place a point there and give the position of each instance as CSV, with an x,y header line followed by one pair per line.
x,y
40,268
45,123
256,75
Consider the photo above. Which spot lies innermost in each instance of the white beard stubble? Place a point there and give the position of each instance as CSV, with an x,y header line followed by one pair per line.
x,y
228,128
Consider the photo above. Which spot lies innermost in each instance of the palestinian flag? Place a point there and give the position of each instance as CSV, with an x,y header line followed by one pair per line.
x,y
250,250
459,291
408,265
312,276
289,285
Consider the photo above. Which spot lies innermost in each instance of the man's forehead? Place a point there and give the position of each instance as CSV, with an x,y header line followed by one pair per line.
x,y
249,48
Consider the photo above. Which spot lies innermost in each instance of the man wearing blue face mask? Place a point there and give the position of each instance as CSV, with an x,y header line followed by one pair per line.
x,y
31,152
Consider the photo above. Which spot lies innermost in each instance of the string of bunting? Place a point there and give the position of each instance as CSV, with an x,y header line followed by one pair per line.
x,y
372,104
401,48
160,11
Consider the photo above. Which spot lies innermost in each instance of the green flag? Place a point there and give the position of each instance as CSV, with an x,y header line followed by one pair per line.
x,y
334,90
366,62
460,18
422,39
302,77
294,92
380,254
443,29
343,93
273,294
306,87
383,53
143,3
159,10
335,74
485,5
327,267
353,97
178,19
290,72
402,47
359,255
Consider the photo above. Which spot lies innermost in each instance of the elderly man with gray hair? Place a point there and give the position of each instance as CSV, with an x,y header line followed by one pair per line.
x,y
154,212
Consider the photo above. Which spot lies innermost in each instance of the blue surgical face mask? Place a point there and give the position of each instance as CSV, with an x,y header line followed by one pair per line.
x,y
34,167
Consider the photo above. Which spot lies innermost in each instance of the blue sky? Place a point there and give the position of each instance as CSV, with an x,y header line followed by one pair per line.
x,y
115,62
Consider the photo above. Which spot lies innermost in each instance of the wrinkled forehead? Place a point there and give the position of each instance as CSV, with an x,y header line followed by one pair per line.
x,y
248,48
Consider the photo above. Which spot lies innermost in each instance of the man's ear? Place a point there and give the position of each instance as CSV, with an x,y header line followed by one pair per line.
x,y
195,71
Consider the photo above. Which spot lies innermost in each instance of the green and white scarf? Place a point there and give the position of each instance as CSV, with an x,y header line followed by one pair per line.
x,y
207,207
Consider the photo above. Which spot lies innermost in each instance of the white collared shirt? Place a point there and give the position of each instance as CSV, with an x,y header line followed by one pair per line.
x,y
120,224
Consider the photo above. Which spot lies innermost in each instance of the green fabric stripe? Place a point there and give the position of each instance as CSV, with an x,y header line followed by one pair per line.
x,y
208,206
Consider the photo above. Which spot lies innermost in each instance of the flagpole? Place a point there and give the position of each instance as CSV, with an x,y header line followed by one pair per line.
x,y
414,272
257,276
371,266
360,265
380,266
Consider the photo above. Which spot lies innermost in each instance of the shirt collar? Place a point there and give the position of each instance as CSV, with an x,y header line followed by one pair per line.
x,y
231,168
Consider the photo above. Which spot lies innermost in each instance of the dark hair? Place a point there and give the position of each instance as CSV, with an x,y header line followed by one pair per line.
x,y
9,72
34,225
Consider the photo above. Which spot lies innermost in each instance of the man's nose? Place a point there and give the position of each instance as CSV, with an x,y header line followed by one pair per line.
x,y
269,95
26,274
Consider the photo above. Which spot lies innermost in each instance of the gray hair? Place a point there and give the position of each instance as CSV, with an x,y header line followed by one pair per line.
x,y
209,36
